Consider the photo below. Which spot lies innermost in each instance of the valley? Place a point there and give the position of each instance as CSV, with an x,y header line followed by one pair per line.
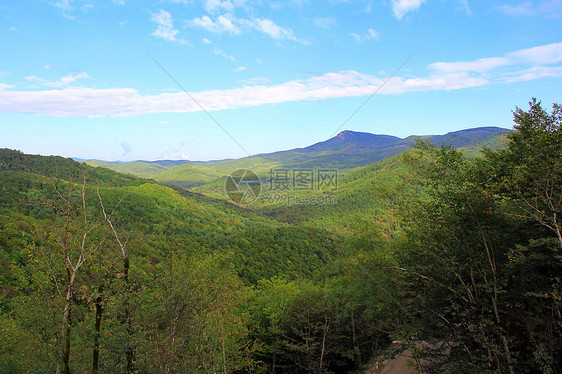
x,y
148,276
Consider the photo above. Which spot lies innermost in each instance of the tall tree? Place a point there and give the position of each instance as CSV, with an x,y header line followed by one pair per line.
x,y
480,254
74,249
126,320
528,171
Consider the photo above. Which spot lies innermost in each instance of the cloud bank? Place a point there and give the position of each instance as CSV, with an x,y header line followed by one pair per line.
x,y
523,65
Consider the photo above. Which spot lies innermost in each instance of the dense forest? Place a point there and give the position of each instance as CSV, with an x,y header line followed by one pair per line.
x,y
456,256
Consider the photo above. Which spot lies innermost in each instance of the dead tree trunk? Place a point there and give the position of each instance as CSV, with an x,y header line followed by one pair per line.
x,y
126,320
72,243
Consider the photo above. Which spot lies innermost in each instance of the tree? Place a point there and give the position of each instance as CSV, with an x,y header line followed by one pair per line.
x,y
74,249
458,248
126,319
526,177
529,171
479,251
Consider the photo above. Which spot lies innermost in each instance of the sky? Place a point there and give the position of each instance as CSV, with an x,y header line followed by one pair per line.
x,y
214,79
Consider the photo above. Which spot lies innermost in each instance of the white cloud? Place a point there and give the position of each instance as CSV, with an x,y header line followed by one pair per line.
x,y
401,7
240,69
223,23
64,81
525,8
545,54
207,41
213,6
325,22
126,148
465,7
270,28
299,3
64,4
219,52
527,64
230,24
165,27
175,153
128,102
548,9
533,73
356,37
255,81
479,66
65,7
370,34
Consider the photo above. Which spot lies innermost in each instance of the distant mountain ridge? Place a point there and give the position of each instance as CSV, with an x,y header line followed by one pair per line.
x,y
353,139
348,149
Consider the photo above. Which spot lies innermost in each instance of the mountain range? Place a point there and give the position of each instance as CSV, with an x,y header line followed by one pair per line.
x,y
348,149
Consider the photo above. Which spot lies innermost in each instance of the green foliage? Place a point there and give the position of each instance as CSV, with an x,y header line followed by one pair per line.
x,y
332,324
529,170
60,168
138,168
193,318
363,195
186,292
453,249
481,255
291,252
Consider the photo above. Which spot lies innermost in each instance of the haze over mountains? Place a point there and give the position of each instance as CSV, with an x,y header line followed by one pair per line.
x,y
346,150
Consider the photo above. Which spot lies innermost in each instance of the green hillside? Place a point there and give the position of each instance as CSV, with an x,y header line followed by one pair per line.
x,y
364,197
363,193
216,254
142,169
433,249
345,151
187,175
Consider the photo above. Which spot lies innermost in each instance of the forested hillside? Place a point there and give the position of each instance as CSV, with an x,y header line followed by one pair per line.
x,y
455,257
348,149
100,271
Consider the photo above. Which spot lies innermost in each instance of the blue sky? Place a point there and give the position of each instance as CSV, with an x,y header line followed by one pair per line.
x,y
105,79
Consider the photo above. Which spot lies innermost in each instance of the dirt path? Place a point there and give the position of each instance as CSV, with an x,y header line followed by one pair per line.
x,y
399,365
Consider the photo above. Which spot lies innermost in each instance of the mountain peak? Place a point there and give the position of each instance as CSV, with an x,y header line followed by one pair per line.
x,y
353,139
347,133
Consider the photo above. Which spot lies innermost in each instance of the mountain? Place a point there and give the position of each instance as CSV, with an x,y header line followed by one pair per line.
x,y
353,140
467,138
348,149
